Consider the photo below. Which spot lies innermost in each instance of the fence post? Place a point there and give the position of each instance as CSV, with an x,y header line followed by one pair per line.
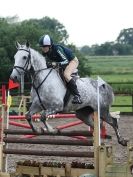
x,y
3,119
3,94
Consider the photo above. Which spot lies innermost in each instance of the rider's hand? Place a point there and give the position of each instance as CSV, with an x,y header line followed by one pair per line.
x,y
55,64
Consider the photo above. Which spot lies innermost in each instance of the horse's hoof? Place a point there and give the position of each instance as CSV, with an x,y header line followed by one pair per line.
x,y
36,130
33,129
58,131
43,130
53,130
123,142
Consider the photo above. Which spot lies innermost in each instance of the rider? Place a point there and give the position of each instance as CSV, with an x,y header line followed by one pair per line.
x,y
64,57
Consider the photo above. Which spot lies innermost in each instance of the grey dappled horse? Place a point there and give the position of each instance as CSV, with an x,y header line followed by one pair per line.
x,y
48,92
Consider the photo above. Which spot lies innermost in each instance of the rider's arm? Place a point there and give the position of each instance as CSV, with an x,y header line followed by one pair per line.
x,y
66,56
63,56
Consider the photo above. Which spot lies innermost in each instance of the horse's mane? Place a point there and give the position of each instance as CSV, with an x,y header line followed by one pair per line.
x,y
38,60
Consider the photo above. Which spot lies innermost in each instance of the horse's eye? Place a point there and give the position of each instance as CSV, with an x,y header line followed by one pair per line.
x,y
24,57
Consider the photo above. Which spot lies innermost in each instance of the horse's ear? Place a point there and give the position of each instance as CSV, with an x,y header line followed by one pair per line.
x,y
17,45
27,44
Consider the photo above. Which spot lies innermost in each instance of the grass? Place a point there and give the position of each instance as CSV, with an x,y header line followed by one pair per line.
x,y
122,100
114,69
115,77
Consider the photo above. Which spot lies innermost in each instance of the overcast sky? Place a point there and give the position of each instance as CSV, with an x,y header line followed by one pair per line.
x,y
87,21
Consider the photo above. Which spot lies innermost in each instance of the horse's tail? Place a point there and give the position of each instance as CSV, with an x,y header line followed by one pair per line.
x,y
110,94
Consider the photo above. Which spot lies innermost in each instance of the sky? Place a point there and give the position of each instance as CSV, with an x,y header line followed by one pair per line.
x,y
87,22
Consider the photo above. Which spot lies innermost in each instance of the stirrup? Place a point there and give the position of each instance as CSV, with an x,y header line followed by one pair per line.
x,y
76,100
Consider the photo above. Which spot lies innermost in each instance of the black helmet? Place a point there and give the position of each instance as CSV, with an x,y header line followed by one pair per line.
x,y
45,40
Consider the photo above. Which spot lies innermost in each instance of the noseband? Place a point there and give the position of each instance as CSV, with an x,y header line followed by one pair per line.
x,y
28,61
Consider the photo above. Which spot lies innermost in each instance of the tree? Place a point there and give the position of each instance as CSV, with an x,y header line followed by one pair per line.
x,y
126,36
86,50
104,49
122,49
55,29
32,30
84,69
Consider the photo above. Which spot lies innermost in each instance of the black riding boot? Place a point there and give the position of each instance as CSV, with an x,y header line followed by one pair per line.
x,y
73,89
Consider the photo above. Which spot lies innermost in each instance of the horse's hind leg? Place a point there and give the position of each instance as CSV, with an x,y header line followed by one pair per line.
x,y
86,115
114,123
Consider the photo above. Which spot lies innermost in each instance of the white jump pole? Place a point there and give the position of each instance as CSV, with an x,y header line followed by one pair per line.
x,y
100,83
98,104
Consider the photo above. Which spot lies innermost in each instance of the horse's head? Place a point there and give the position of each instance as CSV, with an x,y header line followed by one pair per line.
x,y
22,61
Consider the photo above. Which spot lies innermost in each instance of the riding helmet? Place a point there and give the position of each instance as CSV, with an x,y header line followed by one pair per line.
x,y
45,40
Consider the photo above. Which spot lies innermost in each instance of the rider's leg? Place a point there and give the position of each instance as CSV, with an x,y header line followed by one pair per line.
x,y
71,83
73,89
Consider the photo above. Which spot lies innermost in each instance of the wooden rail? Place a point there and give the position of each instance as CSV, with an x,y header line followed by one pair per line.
x,y
49,153
49,141
58,133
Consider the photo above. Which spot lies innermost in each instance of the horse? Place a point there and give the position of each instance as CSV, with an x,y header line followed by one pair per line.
x,y
48,92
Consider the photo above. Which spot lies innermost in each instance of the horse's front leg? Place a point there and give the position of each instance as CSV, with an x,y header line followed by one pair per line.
x,y
52,109
44,116
33,109
28,117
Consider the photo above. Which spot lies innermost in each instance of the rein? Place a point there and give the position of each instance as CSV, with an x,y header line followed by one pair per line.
x,y
36,88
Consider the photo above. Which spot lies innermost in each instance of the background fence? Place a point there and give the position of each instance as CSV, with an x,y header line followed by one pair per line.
x,y
123,97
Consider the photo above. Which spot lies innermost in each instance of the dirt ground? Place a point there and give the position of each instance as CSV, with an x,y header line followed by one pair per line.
x,y
120,152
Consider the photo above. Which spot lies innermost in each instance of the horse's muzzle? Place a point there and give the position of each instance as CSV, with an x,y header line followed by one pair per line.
x,y
15,78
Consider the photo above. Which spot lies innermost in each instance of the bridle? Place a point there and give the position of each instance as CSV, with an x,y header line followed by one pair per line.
x,y
28,61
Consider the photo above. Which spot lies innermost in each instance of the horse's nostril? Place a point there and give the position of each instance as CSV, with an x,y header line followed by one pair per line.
x,y
13,78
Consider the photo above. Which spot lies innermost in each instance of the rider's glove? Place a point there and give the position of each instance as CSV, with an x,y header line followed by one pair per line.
x,y
55,64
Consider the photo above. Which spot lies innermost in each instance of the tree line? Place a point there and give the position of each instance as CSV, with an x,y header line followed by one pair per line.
x,y
123,45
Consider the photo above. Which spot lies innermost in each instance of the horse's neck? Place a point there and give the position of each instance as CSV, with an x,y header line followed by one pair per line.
x,y
38,61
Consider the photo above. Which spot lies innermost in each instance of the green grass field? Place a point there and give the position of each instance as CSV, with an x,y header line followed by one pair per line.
x,y
122,100
115,77
114,69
